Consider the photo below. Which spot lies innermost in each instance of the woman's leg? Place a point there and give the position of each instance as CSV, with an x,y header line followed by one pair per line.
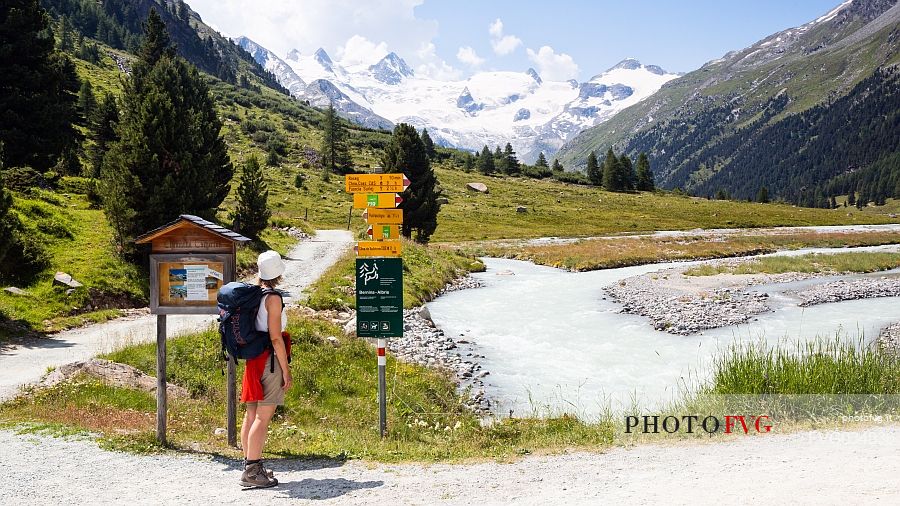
x,y
249,418
257,435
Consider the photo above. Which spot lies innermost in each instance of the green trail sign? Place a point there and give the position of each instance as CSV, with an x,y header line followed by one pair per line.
x,y
379,297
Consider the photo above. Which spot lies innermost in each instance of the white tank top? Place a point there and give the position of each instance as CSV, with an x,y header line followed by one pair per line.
x,y
262,317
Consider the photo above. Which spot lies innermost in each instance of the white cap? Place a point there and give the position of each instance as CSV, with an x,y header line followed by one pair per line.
x,y
270,265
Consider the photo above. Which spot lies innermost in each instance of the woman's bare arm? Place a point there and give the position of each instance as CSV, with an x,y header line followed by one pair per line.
x,y
273,307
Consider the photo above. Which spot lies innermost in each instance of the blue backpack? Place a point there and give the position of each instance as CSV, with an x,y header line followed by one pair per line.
x,y
238,306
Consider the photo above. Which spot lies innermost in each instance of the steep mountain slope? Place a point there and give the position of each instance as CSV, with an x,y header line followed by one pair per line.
x,y
118,23
490,108
700,124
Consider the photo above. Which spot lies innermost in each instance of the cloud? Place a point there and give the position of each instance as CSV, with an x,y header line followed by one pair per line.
x,y
359,49
553,66
502,44
331,24
433,66
467,55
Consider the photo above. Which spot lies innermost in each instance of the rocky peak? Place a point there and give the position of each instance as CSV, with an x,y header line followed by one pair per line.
x,y
391,69
627,63
294,55
534,75
466,102
323,59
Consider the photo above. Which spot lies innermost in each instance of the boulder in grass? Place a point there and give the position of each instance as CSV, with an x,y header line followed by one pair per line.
x,y
12,290
477,187
111,373
442,200
63,279
521,209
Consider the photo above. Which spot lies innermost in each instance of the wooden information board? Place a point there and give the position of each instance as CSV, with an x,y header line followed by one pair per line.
x,y
187,284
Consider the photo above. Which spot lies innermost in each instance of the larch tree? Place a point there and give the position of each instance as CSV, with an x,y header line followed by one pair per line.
x,y
486,162
406,153
510,161
170,157
429,144
593,172
252,213
541,161
645,180
334,150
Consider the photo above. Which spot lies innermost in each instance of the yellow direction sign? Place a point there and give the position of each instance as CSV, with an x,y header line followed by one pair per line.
x,y
378,248
375,183
374,216
379,200
382,232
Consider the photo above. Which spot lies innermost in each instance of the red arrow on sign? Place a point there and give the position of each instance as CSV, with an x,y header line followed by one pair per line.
x,y
369,231
397,199
406,182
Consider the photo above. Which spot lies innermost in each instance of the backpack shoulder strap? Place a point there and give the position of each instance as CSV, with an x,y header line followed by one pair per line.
x,y
279,293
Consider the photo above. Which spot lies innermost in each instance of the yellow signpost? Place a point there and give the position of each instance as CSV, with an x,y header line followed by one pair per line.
x,y
375,216
375,183
379,270
379,248
382,232
378,200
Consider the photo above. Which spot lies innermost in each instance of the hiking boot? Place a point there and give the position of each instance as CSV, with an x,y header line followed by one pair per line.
x,y
256,476
269,472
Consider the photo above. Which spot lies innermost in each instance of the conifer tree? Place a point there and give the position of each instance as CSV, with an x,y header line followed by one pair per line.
x,y
335,153
613,173
762,196
542,161
510,161
7,228
429,145
645,180
594,175
86,100
406,153
252,212
102,131
626,173
486,162
557,167
499,160
469,162
272,158
38,89
170,157
851,198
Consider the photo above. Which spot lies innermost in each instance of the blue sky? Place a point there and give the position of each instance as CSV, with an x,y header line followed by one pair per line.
x,y
562,39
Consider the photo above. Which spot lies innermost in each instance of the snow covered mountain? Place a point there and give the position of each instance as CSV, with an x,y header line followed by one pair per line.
x,y
488,108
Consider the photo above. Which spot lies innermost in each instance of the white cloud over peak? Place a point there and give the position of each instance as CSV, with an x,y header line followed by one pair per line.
x,y
467,55
433,66
553,66
502,44
359,49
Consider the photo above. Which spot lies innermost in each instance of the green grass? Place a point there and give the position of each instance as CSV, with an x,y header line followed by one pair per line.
x,y
427,269
78,242
331,411
811,263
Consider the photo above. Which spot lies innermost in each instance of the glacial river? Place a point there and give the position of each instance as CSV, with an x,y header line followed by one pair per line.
x,y
553,343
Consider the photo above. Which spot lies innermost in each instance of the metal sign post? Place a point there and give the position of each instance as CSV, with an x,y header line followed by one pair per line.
x,y
379,280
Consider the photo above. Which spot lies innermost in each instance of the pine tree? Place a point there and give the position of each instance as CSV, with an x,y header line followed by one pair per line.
x,y
429,145
86,100
170,157
252,212
615,172
38,88
626,173
644,174
102,131
406,153
272,158
851,198
542,161
594,175
762,196
510,161
469,162
833,202
499,160
486,162
335,153
557,167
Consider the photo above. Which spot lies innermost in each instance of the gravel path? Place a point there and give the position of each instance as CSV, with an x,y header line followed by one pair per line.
x,y
26,361
855,467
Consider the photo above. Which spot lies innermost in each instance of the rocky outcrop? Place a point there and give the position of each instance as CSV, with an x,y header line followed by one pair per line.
x,y
466,102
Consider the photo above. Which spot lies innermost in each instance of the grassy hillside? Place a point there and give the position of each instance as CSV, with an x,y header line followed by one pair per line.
x,y
764,84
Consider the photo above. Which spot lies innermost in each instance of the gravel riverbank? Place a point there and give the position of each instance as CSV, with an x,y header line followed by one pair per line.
x,y
889,339
684,305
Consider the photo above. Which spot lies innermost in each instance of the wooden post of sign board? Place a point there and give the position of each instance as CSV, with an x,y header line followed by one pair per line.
x,y
231,408
161,390
195,242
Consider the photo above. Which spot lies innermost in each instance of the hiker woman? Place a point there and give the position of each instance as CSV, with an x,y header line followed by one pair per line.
x,y
266,378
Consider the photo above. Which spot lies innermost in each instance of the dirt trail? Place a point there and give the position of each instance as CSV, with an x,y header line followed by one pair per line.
x,y
855,467
26,361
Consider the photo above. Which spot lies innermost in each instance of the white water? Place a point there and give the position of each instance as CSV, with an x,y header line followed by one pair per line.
x,y
553,344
